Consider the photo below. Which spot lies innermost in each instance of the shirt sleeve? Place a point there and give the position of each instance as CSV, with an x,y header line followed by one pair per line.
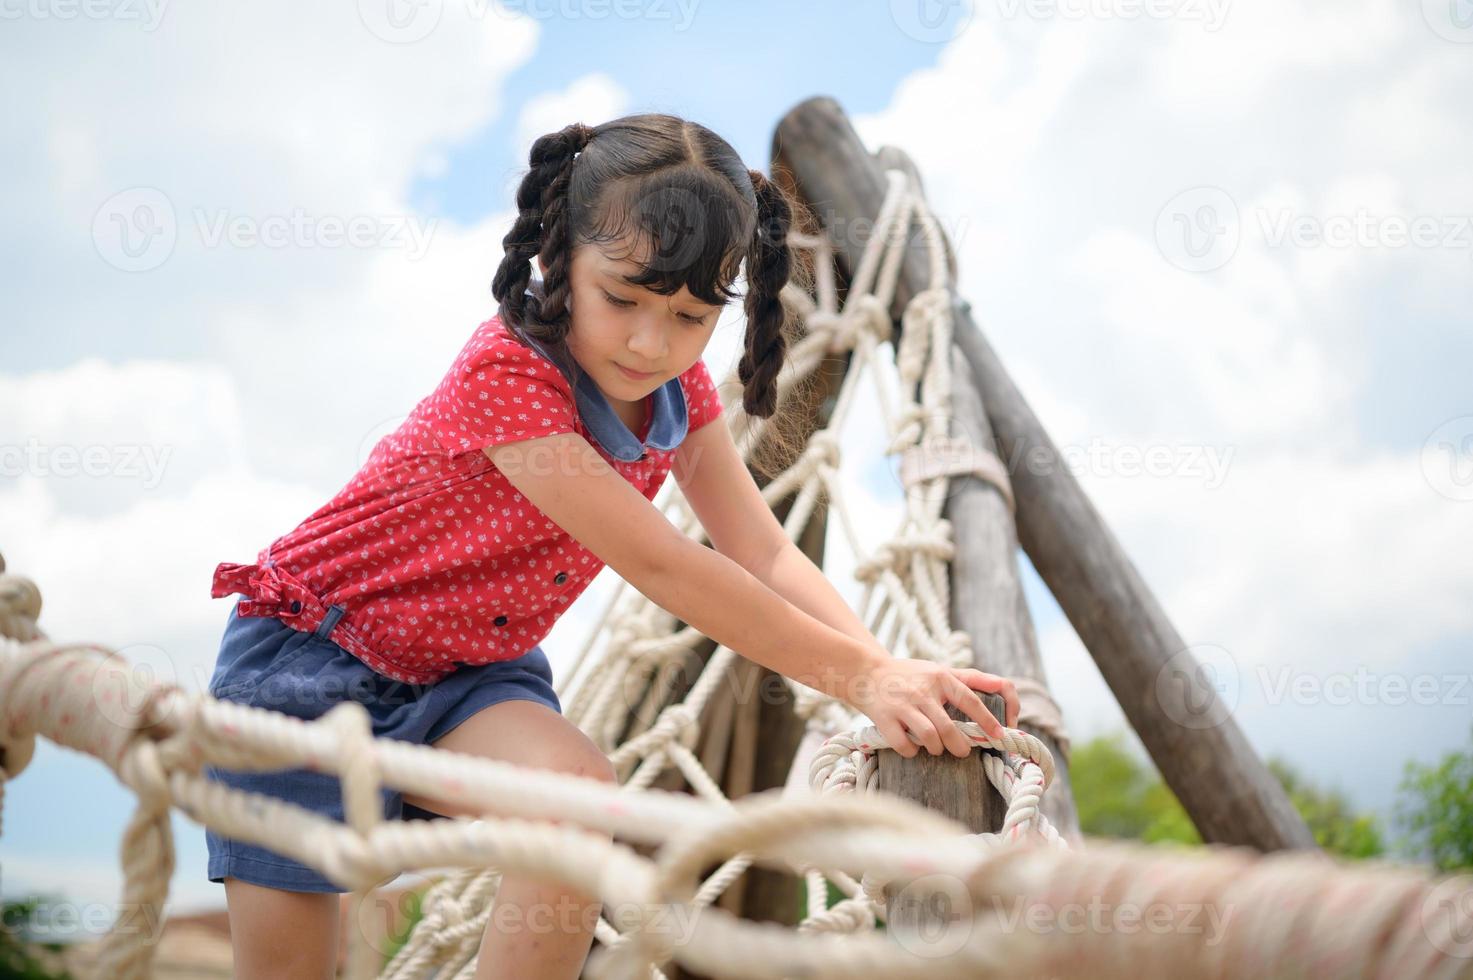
x,y
702,401
498,391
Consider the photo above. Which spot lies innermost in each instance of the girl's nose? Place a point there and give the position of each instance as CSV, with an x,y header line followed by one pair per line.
x,y
648,343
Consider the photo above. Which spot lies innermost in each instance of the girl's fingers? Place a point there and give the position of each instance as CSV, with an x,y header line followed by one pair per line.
x,y
951,737
992,684
966,699
895,734
922,728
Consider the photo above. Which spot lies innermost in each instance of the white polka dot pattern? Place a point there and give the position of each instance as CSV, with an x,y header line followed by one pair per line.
x,y
436,559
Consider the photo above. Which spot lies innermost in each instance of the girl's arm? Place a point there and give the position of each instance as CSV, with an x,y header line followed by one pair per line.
x,y
739,523
716,482
565,478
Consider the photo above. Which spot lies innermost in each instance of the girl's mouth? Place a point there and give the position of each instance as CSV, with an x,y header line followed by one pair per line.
x,y
634,375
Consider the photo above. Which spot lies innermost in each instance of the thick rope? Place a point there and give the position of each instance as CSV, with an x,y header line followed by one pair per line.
x,y
1285,914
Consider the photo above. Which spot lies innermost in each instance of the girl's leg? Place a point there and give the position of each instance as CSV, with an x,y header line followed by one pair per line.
x,y
282,935
538,928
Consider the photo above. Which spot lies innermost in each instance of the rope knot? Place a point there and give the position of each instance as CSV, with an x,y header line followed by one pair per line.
x,y
823,447
862,315
681,723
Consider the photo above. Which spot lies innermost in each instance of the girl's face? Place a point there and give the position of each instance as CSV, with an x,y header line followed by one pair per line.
x,y
618,329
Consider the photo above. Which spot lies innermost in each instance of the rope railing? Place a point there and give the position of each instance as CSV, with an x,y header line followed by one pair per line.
x,y
1019,904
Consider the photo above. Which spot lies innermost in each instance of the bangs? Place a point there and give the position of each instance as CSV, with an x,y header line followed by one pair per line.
x,y
680,227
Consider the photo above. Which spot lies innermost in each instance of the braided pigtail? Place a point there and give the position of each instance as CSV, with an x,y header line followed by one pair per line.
x,y
769,264
541,229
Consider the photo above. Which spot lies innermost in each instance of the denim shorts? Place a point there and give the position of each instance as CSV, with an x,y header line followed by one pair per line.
x,y
264,663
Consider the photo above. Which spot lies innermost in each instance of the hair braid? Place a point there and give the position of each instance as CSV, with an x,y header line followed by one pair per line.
x,y
769,264
541,229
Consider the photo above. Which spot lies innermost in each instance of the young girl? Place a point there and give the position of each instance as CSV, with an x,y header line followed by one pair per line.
x,y
423,589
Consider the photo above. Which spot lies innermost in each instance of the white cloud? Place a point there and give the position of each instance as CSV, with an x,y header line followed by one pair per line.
x,y
591,99
1263,49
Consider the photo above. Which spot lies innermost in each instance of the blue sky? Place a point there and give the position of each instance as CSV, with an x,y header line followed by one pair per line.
x,y
1067,156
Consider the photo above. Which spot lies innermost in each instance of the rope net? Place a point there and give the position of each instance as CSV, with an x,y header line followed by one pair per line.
x,y
1282,914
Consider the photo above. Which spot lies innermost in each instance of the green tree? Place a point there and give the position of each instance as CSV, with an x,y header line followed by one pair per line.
x,y
1119,797
19,958
1327,813
1436,807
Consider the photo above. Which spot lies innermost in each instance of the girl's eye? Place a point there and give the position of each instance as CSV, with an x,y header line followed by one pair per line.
x,y
624,304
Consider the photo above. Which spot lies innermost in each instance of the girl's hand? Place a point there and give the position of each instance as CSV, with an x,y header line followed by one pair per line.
x,y
911,695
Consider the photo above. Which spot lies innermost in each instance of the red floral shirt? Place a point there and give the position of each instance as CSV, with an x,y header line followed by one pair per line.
x,y
436,560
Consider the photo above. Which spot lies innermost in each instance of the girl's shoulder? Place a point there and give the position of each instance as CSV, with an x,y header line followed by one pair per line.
x,y
493,351
498,390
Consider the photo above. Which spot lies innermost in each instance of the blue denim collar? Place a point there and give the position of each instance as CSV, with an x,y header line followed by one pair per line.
x,y
667,427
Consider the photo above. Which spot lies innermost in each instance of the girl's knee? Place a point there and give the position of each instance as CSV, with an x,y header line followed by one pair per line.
x,y
588,762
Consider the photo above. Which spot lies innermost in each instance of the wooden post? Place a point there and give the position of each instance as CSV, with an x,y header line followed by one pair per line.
x,y
1226,789
957,788
986,591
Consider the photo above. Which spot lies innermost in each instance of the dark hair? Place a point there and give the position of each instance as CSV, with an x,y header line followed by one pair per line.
x,y
690,212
